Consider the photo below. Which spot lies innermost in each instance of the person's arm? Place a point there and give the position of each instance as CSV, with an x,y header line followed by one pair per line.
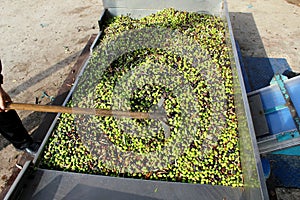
x,y
4,97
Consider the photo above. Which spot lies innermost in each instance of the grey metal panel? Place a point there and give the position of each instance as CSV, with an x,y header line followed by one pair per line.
x,y
270,144
258,116
50,184
133,12
211,6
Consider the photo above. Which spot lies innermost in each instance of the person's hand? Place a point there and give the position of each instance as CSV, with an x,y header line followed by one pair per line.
x,y
4,99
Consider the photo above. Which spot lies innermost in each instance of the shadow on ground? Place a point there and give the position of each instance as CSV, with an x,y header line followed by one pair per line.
x,y
247,35
34,119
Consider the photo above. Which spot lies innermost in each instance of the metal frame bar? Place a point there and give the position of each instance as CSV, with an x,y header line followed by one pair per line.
x,y
255,151
12,190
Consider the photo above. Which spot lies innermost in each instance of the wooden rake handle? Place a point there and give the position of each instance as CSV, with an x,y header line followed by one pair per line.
x,y
87,111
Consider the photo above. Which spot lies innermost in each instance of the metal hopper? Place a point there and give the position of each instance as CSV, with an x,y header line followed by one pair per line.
x,y
37,183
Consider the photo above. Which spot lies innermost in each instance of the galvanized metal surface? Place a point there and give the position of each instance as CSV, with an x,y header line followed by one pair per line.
x,y
138,8
270,144
48,184
258,116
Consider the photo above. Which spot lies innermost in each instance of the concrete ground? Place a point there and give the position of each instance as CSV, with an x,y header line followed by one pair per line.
x,y
40,41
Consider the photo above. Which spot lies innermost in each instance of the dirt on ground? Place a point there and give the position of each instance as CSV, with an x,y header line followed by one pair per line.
x,y
267,28
40,41
295,2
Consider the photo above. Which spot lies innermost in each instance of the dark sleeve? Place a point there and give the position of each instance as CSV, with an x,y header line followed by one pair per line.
x,y
1,76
